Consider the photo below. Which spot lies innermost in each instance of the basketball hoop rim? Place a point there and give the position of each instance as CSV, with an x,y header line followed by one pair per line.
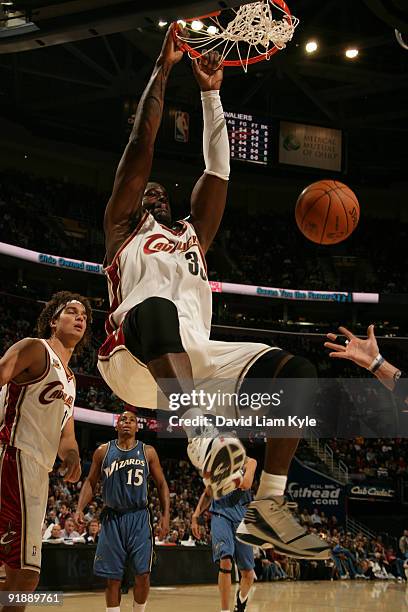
x,y
252,60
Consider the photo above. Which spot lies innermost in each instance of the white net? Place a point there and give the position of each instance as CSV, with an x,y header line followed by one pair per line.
x,y
252,31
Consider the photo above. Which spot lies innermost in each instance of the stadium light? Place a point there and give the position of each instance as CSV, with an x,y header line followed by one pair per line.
x,y
351,53
162,23
311,46
197,25
212,30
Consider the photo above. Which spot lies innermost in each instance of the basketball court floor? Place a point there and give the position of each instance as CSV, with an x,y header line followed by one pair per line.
x,y
321,596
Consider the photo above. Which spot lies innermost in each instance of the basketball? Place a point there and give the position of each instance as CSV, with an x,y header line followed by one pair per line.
x,y
327,212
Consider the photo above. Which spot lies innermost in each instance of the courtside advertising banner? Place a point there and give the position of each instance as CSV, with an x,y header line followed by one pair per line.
x,y
310,145
311,489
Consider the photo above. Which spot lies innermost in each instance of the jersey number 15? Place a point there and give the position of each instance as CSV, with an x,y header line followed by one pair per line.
x,y
135,477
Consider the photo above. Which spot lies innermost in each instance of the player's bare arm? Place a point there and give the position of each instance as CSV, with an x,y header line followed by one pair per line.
x,y
156,473
203,504
89,485
68,451
23,362
124,206
209,195
366,354
249,474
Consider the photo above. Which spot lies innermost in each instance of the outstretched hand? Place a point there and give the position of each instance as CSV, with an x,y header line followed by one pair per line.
x,y
360,352
208,70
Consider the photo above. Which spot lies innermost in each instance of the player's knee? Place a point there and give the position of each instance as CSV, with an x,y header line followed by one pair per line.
x,y
113,585
142,579
226,565
27,580
247,576
158,328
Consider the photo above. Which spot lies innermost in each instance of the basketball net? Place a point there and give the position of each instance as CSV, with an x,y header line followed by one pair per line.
x,y
253,33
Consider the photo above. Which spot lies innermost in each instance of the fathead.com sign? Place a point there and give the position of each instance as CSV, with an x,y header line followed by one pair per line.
x,y
311,489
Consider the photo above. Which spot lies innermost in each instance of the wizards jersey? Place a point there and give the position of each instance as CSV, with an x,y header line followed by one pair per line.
x,y
233,506
124,477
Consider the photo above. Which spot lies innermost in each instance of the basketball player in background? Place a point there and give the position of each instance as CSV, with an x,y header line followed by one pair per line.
x,y
226,514
161,306
126,535
365,353
37,424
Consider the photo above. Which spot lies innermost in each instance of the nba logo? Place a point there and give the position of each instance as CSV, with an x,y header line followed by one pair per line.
x,y
34,551
181,126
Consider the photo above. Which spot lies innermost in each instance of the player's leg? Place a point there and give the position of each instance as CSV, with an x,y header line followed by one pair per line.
x,y
141,592
21,580
23,494
140,540
244,556
223,546
152,334
113,594
269,519
110,559
224,582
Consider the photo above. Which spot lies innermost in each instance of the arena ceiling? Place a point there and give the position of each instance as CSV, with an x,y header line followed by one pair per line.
x,y
83,57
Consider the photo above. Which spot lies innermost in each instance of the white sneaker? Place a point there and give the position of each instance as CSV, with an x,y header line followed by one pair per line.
x,y
219,459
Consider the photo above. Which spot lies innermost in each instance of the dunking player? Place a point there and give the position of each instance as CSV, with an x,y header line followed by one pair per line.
x,y
36,415
126,535
226,514
160,315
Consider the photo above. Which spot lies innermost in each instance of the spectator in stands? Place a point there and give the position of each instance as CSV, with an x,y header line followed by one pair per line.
x,y
63,514
69,532
92,532
56,534
403,544
315,518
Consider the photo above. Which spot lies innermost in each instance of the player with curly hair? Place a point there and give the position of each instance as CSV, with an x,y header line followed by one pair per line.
x,y
36,423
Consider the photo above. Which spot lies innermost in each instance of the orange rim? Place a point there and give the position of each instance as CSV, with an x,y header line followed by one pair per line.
x,y
252,60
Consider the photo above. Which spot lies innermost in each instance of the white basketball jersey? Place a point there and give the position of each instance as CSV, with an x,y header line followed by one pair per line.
x,y
33,415
156,261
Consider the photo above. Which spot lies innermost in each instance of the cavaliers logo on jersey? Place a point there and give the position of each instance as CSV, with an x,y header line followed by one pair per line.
x,y
52,391
159,242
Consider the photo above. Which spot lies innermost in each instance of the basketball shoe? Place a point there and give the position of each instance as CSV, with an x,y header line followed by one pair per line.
x,y
219,458
240,606
270,522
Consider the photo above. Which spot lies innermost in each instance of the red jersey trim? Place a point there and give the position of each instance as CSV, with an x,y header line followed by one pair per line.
x,y
126,242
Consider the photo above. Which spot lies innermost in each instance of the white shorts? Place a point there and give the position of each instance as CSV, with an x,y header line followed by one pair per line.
x,y
217,366
24,496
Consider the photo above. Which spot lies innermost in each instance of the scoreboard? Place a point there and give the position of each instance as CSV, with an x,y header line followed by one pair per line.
x,y
248,137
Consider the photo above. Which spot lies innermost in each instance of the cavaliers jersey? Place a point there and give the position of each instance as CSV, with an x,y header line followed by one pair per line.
x,y
158,261
32,415
124,477
233,506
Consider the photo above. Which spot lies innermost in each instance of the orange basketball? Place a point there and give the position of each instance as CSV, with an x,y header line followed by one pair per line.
x,y
327,212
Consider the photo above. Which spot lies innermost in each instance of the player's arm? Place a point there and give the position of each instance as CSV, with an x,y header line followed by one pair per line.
x,y
89,485
28,357
210,192
124,206
365,353
203,504
249,474
68,452
162,490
